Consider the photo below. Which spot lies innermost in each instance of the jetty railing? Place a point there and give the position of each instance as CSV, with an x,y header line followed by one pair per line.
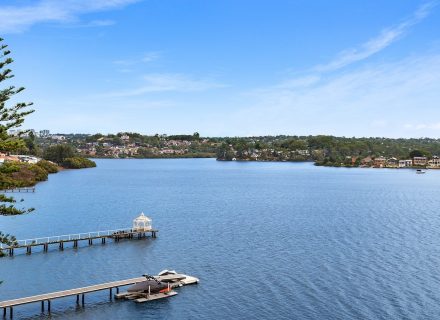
x,y
18,190
115,234
67,237
71,237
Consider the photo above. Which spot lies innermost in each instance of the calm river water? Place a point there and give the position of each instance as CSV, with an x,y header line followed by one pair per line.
x,y
267,240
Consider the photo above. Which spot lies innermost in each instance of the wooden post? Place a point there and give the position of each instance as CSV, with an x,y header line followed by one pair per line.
x,y
48,306
11,312
111,294
77,299
117,289
82,299
42,306
75,243
4,312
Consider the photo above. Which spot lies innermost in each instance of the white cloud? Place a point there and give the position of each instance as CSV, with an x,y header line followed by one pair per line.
x,y
168,82
151,56
423,126
19,18
351,103
355,99
147,57
378,43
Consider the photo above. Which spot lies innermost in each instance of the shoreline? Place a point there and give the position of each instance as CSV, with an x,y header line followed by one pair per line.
x,y
261,161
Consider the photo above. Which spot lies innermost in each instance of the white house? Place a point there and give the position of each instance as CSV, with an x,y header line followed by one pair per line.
x,y
405,163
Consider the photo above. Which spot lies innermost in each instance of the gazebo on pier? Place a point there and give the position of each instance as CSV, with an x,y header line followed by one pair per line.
x,y
142,223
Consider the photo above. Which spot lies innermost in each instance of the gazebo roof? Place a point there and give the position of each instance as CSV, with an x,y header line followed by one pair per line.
x,y
142,218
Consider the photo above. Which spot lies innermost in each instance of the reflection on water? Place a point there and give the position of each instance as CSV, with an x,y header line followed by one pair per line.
x,y
267,240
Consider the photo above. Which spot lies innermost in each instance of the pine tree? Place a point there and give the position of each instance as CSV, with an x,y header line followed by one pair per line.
x,y
11,117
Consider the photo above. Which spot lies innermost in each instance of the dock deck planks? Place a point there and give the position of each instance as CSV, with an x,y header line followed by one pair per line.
x,y
71,292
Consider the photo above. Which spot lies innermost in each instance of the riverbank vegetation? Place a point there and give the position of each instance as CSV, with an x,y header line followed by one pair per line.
x,y
65,156
19,174
326,150
321,149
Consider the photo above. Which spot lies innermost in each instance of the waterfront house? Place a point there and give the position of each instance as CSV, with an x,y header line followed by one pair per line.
x,y
434,162
366,162
380,162
405,163
5,158
392,162
420,161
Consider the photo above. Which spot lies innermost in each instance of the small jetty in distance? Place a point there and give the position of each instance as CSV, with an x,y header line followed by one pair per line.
x,y
142,227
18,190
144,289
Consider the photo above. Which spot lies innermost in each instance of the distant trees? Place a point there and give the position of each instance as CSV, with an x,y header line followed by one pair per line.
x,y
78,163
59,153
65,156
325,150
417,153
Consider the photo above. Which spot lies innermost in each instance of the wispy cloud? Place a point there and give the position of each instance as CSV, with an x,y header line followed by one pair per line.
x,y
383,40
19,18
353,101
373,91
423,126
168,82
151,56
146,58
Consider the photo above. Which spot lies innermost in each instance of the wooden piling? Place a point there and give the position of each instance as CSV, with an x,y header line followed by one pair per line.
x,y
116,235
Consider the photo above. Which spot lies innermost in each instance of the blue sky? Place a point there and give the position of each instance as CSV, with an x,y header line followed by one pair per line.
x,y
228,67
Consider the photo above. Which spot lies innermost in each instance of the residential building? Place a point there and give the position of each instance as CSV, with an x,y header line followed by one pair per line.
x,y
58,137
405,163
434,162
44,133
392,162
379,162
420,161
366,161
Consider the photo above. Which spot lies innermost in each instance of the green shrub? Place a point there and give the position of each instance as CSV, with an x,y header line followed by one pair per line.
x,y
50,167
78,163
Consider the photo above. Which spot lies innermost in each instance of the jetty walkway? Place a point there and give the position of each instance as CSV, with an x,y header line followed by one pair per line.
x,y
18,190
45,242
10,304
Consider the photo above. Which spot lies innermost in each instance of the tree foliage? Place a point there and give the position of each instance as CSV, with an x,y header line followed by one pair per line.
x,y
78,163
12,116
59,153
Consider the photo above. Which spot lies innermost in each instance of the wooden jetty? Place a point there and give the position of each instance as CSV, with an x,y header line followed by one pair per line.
x,y
18,190
173,280
48,297
60,241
